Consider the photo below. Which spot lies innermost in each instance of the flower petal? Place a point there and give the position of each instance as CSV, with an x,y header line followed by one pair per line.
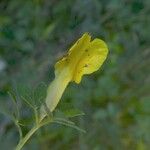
x,y
74,54
84,57
92,59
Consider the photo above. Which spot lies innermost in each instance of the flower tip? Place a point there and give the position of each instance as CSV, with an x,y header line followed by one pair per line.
x,y
87,34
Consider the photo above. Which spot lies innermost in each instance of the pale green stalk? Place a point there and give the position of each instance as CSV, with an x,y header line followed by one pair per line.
x,y
31,132
26,138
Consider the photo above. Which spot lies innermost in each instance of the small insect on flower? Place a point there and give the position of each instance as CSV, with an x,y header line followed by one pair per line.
x,y
84,57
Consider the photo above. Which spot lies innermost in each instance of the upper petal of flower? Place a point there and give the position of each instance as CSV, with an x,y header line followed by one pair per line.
x,y
92,59
84,57
74,54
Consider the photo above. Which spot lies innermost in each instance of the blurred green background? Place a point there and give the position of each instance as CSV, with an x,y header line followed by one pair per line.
x,y
34,34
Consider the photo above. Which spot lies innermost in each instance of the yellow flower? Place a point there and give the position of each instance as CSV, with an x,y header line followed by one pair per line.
x,y
84,57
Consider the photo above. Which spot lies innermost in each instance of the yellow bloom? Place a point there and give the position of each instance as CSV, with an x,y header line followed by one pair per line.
x,y
84,57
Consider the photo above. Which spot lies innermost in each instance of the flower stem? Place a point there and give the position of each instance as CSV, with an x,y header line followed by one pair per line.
x,y
26,138
31,132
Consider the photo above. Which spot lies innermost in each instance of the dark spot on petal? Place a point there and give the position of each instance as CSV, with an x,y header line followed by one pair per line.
x,y
67,60
86,65
86,50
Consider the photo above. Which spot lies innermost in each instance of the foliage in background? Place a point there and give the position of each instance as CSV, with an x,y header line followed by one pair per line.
x,y
116,100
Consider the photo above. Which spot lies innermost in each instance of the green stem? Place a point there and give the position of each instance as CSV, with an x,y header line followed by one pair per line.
x,y
26,138
31,132
19,129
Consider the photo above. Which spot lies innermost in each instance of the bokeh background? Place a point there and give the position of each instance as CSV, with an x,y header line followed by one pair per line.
x,y
34,34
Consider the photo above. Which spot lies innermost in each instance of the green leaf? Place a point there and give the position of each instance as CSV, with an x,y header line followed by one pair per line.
x,y
14,100
6,111
64,120
70,113
69,125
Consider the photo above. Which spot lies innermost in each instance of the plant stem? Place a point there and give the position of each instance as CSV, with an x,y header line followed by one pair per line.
x,y
31,132
26,138
19,129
